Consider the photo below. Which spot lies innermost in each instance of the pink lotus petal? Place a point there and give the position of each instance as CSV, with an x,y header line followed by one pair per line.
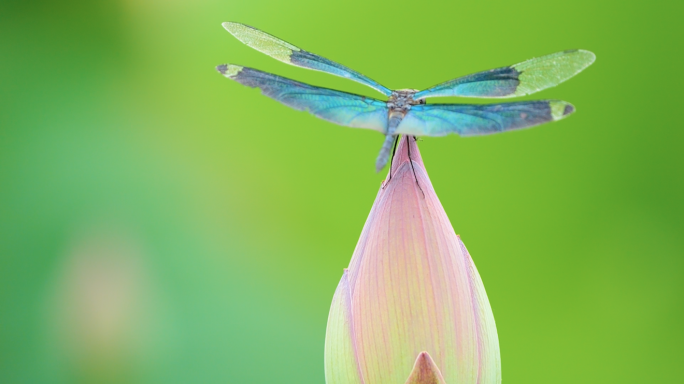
x,y
425,371
341,365
411,287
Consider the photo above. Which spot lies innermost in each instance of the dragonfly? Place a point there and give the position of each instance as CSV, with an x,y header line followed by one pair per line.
x,y
405,111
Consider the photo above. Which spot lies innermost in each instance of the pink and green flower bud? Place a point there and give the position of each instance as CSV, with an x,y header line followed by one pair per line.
x,y
411,308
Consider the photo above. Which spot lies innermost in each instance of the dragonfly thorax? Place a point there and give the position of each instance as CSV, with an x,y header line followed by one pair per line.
x,y
401,100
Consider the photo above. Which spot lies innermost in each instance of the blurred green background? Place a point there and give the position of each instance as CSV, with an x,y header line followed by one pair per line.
x,y
160,223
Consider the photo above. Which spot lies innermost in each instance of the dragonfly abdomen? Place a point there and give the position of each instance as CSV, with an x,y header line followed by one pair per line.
x,y
385,151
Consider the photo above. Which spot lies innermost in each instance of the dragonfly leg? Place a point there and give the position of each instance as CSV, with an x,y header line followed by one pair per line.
x,y
408,147
394,150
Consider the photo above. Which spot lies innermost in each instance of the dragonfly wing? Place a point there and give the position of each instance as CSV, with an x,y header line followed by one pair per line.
x,y
288,53
479,119
335,106
521,79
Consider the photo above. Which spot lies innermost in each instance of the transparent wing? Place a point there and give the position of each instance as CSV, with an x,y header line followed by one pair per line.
x,y
288,53
521,79
337,107
479,119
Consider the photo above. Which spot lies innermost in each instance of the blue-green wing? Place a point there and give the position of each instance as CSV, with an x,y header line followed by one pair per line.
x,y
480,119
521,79
288,53
335,106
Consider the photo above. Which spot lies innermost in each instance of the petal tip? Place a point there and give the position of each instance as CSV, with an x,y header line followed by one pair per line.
x,y
425,371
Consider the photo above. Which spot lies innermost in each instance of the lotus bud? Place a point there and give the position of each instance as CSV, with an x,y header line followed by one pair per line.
x,y
411,307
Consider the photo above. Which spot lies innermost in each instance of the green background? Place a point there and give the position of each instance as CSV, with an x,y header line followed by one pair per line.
x,y
160,223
